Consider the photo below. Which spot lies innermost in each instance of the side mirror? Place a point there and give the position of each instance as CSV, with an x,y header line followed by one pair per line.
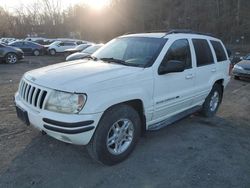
x,y
171,66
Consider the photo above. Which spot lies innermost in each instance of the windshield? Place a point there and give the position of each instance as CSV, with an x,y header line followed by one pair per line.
x,y
13,43
82,46
134,51
55,43
91,49
247,57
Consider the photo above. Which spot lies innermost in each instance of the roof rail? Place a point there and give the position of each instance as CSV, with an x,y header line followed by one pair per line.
x,y
186,31
175,31
151,31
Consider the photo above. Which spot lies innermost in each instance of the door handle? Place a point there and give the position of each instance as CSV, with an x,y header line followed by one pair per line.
x,y
213,70
190,76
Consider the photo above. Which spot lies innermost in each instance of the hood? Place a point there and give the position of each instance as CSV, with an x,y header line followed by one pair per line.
x,y
78,76
14,48
245,64
77,55
71,50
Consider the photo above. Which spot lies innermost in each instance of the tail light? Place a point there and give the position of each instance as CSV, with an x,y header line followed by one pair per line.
x,y
230,69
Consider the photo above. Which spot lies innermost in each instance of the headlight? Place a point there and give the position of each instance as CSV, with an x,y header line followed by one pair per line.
x,y
68,103
238,67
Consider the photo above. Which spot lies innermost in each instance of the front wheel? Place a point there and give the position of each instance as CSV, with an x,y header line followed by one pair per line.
x,y
11,58
52,52
212,101
36,52
116,135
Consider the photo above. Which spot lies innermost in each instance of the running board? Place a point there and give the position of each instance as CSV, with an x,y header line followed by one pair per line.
x,y
172,119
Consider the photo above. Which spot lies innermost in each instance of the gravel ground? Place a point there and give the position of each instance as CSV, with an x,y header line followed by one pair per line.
x,y
193,152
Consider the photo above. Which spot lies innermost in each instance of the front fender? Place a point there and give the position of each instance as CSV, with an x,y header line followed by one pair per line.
x,y
100,101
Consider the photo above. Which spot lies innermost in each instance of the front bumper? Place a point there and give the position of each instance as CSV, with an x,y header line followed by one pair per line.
x,y
20,56
241,73
71,128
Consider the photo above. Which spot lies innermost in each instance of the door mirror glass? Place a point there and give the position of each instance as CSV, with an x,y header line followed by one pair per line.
x,y
172,66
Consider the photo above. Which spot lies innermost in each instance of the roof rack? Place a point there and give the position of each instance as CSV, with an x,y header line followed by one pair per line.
x,y
175,31
186,31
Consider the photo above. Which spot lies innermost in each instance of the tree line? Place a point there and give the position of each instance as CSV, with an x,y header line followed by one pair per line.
x,y
227,19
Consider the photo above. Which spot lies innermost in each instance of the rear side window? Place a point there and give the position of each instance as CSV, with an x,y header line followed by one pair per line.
x,y
203,52
219,51
179,51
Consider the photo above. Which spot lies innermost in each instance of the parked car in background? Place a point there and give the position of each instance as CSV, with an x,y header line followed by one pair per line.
x,y
4,43
77,41
7,40
29,48
236,58
78,48
34,39
61,46
10,54
242,69
88,51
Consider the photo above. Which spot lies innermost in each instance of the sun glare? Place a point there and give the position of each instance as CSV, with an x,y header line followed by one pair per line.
x,y
97,4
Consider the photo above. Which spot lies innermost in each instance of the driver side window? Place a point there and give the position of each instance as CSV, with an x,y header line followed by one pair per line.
x,y
179,51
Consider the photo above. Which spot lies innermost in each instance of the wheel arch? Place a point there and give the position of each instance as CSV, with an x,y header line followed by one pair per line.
x,y
138,105
221,83
10,53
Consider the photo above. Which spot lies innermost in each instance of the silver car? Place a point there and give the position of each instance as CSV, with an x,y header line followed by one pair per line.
x,y
86,52
242,69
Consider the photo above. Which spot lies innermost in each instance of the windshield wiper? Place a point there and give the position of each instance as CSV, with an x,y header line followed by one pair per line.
x,y
90,57
118,61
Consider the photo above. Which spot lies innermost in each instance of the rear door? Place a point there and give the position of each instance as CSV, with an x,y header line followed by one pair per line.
x,y
173,91
69,45
24,47
223,62
205,69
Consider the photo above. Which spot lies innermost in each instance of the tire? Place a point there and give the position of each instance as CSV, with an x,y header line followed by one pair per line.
x,y
36,52
11,58
110,128
236,77
212,102
52,52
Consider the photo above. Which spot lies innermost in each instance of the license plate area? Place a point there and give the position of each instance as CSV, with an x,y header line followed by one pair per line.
x,y
22,115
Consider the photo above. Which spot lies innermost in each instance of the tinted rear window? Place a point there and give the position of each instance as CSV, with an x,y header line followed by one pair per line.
x,y
203,52
219,51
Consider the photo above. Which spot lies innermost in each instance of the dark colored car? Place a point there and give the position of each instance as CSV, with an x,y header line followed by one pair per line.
x,y
88,51
242,69
10,54
78,48
29,48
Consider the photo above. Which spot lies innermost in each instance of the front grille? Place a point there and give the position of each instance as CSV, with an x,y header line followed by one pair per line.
x,y
32,95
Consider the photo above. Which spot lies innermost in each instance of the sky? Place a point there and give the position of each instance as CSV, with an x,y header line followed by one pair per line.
x,y
11,5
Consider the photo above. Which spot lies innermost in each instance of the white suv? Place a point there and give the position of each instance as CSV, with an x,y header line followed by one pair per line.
x,y
133,83
61,46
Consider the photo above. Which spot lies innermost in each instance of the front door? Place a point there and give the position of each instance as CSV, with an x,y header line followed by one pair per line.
x,y
174,91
